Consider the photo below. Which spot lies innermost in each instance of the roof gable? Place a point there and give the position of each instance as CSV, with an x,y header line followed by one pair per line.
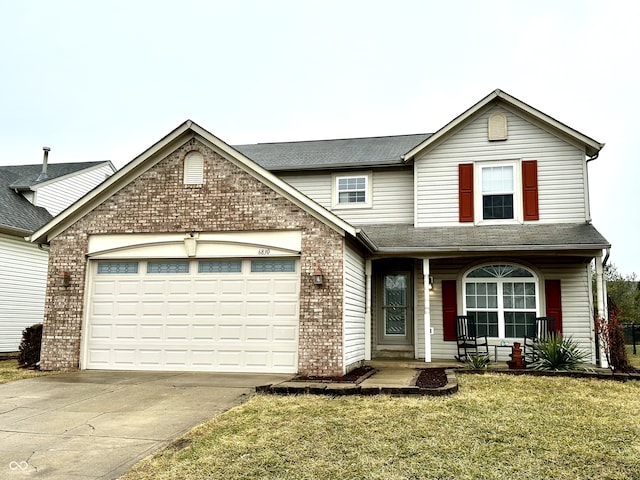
x,y
154,154
591,146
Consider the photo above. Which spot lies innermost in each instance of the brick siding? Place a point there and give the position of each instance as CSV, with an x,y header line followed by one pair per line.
x,y
229,200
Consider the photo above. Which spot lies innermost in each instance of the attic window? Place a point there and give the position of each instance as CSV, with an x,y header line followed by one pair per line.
x,y
497,127
194,169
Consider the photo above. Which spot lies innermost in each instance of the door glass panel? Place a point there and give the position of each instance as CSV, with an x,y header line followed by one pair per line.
x,y
395,304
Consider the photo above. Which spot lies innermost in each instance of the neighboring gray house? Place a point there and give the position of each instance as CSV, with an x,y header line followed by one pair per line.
x,y
28,200
313,257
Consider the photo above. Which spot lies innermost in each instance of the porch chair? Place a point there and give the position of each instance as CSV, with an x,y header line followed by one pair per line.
x,y
543,328
467,339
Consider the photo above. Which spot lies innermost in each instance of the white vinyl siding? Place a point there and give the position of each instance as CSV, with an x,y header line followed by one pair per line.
x,y
391,193
23,279
561,180
59,194
576,309
354,307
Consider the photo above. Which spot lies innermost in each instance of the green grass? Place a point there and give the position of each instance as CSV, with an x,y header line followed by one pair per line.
x,y
495,427
9,372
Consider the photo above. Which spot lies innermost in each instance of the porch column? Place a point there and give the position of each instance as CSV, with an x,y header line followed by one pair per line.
x,y
427,310
367,310
601,303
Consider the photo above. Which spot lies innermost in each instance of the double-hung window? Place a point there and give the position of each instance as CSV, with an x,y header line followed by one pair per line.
x,y
498,189
503,299
352,191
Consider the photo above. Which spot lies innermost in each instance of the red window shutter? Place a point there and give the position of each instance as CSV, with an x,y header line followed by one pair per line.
x,y
553,299
530,189
449,309
465,191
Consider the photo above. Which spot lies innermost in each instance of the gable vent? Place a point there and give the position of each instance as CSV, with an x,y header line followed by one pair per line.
x,y
497,127
194,169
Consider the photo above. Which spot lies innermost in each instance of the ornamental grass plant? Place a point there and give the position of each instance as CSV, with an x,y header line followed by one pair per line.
x,y
557,354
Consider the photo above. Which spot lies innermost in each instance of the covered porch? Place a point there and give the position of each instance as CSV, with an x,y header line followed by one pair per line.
x,y
415,292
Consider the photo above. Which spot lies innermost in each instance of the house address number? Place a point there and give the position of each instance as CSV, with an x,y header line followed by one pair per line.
x,y
264,251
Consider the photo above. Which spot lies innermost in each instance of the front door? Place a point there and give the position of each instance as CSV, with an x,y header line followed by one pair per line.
x,y
396,316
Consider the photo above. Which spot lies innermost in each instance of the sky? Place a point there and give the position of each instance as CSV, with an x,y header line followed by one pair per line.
x,y
104,80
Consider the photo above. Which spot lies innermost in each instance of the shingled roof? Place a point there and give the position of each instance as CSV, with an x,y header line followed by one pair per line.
x,y
16,212
323,154
406,238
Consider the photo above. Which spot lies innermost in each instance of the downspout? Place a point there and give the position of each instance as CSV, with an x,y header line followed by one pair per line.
x,y
588,199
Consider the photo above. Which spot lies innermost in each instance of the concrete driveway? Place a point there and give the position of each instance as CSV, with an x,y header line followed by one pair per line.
x,y
97,424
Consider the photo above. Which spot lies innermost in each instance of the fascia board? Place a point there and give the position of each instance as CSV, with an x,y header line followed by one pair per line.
x,y
449,126
107,188
500,249
592,146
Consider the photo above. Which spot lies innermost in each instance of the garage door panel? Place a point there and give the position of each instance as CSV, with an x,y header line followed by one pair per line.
x,y
152,309
178,309
125,331
151,332
204,308
284,333
124,357
258,333
129,288
177,332
259,287
204,332
179,287
101,332
230,333
283,287
153,287
229,358
231,321
150,357
288,309
231,309
232,287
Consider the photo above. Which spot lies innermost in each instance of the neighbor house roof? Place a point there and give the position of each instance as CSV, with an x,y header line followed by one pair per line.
x,y
17,214
323,154
28,176
591,146
406,238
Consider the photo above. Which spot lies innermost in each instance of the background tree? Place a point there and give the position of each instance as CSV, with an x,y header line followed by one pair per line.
x,y
624,291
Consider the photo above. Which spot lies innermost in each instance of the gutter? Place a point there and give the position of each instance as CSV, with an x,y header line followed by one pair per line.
x,y
366,241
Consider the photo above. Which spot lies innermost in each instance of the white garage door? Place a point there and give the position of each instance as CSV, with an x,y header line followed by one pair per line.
x,y
199,315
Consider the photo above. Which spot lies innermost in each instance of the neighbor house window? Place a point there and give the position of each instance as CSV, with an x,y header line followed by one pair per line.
x,y
352,190
194,168
503,299
497,192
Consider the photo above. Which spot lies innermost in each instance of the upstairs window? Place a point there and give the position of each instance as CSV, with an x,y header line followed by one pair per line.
x,y
497,192
194,169
352,191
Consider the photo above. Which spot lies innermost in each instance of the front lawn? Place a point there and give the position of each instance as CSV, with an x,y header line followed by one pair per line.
x,y
9,371
495,427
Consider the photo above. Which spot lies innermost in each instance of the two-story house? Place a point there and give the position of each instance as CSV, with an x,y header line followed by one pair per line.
x,y
30,196
313,257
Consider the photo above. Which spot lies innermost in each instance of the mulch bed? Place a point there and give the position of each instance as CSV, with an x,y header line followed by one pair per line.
x,y
431,378
352,377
